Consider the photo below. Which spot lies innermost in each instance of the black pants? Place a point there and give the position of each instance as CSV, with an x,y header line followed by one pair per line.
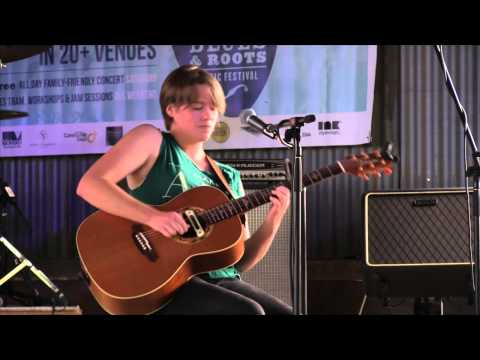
x,y
223,297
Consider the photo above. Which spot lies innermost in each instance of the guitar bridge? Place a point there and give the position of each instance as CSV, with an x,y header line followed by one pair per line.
x,y
143,244
195,223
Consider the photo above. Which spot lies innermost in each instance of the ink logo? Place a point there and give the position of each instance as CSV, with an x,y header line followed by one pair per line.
x,y
243,70
329,125
11,139
82,136
113,134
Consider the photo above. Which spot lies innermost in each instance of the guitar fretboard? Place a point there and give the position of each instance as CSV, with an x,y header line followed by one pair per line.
x,y
260,197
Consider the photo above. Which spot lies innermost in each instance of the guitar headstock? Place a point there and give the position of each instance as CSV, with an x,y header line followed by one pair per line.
x,y
371,164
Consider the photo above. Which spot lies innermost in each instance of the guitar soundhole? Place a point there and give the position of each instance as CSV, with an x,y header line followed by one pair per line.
x,y
191,238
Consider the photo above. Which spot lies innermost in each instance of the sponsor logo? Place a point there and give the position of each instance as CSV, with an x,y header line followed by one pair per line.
x,y
243,70
82,136
113,134
44,139
330,127
44,135
12,139
221,132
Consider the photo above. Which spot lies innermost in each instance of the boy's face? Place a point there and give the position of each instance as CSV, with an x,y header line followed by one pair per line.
x,y
195,121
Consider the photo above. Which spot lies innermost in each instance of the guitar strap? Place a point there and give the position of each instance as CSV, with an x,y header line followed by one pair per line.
x,y
219,174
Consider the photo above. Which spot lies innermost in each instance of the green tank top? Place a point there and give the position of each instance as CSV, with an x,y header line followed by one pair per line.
x,y
173,173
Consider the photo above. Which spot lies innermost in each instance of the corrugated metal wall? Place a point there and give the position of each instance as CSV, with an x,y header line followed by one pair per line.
x,y
412,108
430,128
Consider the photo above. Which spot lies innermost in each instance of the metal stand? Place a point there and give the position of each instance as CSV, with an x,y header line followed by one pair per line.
x,y
298,246
473,171
298,238
7,196
298,229
24,262
428,306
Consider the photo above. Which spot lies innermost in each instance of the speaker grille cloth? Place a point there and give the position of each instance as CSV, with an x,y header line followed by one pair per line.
x,y
400,233
272,272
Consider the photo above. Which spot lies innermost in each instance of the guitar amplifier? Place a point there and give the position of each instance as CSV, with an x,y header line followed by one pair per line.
x,y
272,273
258,174
416,242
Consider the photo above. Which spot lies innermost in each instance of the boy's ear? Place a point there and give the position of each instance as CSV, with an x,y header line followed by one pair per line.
x,y
170,110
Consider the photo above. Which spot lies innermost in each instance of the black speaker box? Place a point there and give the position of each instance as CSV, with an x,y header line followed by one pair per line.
x,y
416,243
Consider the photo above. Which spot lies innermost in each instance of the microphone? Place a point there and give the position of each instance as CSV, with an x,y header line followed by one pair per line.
x,y
6,192
295,121
8,196
248,116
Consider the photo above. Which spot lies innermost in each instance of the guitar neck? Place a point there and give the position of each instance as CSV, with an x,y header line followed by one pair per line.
x,y
258,198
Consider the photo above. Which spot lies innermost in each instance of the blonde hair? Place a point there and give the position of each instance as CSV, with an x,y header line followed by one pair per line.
x,y
180,88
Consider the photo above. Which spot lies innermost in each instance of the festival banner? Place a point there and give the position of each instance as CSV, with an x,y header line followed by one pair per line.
x,y
81,99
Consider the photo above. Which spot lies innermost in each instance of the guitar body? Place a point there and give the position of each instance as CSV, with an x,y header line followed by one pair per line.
x,y
124,280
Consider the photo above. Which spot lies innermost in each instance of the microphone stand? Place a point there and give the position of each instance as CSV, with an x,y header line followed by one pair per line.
x,y
298,260
472,171
298,246
298,228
